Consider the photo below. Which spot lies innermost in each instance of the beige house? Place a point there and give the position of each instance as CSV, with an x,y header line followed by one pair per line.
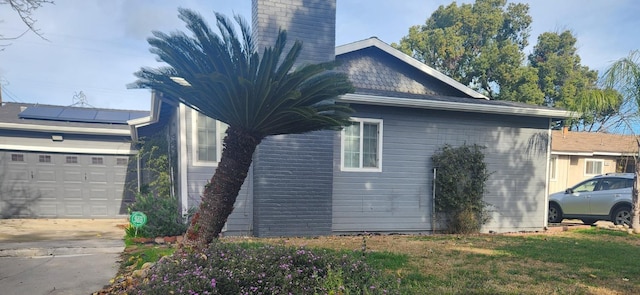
x,y
576,156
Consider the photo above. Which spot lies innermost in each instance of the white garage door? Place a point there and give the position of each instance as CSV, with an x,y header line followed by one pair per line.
x,y
65,185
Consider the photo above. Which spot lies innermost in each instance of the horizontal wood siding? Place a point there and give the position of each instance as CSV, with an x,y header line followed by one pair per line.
x,y
399,199
293,180
241,220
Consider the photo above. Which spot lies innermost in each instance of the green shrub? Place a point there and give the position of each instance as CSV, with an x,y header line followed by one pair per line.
x,y
228,268
163,216
460,183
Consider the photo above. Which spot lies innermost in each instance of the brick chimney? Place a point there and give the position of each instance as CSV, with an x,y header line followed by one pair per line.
x,y
311,21
293,174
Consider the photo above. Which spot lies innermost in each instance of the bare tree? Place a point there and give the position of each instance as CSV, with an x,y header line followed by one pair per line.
x,y
25,10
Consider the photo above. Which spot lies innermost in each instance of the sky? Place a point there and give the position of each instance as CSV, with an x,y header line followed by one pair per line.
x,y
95,46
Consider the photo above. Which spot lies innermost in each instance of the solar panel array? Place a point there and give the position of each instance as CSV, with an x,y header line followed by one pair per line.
x,y
85,115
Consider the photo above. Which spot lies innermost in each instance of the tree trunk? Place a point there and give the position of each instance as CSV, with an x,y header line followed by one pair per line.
x,y
635,206
220,194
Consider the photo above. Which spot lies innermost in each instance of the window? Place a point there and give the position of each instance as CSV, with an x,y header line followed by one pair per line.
x,y
71,160
593,167
362,145
208,135
97,161
587,186
17,158
44,158
553,168
122,161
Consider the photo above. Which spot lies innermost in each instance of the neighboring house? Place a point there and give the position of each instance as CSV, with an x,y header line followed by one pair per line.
x,y
376,175
65,162
577,156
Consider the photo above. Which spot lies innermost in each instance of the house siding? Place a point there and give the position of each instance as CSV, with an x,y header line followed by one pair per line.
x,y
241,220
399,199
293,185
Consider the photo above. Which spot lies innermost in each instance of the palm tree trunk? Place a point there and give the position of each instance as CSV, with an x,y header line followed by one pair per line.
x,y
220,194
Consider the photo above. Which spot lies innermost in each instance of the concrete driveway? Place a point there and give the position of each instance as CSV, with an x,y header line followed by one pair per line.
x,y
59,256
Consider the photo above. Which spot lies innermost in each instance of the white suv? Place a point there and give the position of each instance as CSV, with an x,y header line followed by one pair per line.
x,y
604,197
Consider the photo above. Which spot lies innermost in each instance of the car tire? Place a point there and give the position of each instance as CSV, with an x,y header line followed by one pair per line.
x,y
622,215
589,221
555,214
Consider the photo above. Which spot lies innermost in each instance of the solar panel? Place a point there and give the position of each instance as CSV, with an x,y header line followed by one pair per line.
x,y
40,112
78,114
112,116
85,115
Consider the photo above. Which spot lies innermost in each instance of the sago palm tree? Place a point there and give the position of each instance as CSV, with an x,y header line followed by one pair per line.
x,y
222,76
624,75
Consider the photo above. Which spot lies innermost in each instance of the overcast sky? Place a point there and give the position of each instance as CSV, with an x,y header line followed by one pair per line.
x,y
95,46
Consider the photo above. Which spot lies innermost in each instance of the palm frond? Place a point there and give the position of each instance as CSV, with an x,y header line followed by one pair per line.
x,y
228,80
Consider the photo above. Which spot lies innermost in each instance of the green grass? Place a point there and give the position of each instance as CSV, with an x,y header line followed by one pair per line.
x,y
589,261
136,255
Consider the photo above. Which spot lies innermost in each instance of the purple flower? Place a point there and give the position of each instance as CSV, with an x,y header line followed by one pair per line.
x,y
213,283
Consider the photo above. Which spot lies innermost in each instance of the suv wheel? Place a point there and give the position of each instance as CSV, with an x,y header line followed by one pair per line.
x,y
555,214
621,215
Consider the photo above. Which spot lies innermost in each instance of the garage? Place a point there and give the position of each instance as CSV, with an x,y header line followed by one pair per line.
x,y
54,166
65,185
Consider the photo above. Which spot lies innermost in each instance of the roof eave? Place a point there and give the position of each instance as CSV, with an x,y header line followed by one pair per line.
x,y
154,114
455,106
64,129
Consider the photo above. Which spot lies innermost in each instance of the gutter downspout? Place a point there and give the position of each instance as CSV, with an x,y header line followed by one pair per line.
x,y
433,202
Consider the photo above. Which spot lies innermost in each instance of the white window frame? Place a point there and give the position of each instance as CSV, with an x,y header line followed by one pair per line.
x,y
593,160
194,141
553,168
361,121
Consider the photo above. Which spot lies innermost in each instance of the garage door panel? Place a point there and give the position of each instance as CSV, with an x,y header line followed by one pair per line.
x,y
98,195
48,210
46,176
97,177
73,210
98,211
73,177
18,176
72,194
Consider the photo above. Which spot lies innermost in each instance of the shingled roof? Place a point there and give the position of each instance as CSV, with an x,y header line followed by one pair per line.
x,y
592,143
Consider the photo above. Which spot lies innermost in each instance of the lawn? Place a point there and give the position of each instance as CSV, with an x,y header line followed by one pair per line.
x,y
586,261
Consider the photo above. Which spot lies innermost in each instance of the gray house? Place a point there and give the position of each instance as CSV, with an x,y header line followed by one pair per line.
x,y
65,162
375,175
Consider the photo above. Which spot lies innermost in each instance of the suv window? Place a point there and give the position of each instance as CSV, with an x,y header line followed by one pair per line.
x,y
587,186
615,183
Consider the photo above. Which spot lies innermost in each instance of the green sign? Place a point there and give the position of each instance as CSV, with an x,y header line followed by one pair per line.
x,y
138,219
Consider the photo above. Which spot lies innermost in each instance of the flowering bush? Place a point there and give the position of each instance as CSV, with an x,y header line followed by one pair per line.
x,y
232,268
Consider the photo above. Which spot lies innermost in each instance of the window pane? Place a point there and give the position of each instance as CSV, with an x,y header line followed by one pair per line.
x,y
122,161
97,161
17,157
207,139
593,167
44,158
72,160
370,145
586,186
351,151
